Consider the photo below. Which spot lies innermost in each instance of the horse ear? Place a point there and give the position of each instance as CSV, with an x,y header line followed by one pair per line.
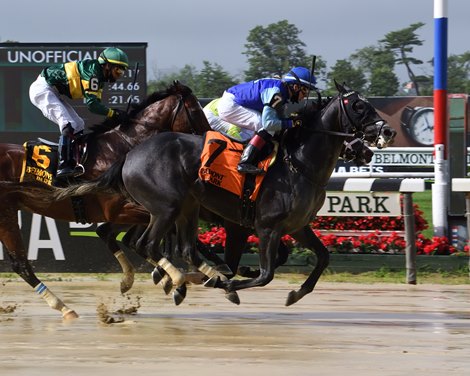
x,y
339,87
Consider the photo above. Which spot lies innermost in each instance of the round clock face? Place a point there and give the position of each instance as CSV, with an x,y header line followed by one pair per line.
x,y
422,126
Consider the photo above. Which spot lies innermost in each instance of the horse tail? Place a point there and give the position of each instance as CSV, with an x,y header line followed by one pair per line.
x,y
37,192
109,182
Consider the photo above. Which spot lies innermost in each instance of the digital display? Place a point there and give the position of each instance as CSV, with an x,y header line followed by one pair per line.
x,y
21,63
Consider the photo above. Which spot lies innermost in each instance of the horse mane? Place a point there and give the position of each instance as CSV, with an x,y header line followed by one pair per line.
x,y
176,88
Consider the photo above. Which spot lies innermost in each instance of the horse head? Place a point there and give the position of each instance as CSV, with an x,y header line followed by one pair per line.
x,y
362,119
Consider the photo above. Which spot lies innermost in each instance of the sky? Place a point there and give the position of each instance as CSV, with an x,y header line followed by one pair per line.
x,y
191,31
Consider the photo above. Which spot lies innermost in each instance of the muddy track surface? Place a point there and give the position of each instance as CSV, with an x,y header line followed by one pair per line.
x,y
340,329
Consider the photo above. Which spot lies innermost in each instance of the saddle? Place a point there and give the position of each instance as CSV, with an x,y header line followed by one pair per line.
x,y
41,159
219,160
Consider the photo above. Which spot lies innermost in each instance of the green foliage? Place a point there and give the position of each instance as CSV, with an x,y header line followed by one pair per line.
x,y
276,48
401,43
273,50
458,73
343,71
210,82
377,64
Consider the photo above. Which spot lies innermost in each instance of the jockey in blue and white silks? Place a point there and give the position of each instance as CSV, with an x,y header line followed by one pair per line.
x,y
258,106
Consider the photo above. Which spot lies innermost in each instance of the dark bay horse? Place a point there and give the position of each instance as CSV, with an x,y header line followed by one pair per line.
x,y
175,109
167,185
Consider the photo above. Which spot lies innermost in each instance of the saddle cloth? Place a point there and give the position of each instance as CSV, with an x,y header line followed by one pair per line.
x,y
219,160
40,161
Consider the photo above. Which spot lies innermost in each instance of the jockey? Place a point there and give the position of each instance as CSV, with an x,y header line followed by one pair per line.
x,y
258,106
77,80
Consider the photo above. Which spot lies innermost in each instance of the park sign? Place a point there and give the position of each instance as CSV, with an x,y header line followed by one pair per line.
x,y
364,204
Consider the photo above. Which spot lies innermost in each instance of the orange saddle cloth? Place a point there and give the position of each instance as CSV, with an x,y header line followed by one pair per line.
x,y
219,160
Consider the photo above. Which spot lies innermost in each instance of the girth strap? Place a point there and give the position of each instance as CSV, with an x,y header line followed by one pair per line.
x,y
78,205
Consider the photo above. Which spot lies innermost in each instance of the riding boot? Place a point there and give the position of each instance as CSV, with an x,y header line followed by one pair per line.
x,y
250,157
67,163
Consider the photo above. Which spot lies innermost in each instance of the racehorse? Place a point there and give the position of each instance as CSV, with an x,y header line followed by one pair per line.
x,y
167,185
175,109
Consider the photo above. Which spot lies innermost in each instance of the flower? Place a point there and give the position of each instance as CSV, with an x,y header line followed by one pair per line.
x,y
379,235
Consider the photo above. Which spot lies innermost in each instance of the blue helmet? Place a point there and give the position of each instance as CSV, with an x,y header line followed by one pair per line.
x,y
301,76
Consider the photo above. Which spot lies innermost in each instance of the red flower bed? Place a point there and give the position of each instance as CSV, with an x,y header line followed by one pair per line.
x,y
372,242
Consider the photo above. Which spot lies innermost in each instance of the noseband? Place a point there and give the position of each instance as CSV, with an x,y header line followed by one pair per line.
x,y
357,134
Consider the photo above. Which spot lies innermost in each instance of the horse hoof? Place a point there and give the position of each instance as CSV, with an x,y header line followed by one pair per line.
x,y
167,285
212,282
70,315
233,297
156,276
292,298
126,283
179,295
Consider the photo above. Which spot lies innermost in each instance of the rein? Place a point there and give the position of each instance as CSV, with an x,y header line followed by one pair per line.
x,y
296,166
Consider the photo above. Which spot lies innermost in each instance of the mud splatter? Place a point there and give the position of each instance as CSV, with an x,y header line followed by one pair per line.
x,y
129,307
132,309
106,317
8,309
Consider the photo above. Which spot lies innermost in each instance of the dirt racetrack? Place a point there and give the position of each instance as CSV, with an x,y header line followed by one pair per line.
x,y
339,329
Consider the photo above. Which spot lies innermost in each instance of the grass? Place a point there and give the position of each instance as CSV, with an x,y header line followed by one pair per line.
x,y
424,202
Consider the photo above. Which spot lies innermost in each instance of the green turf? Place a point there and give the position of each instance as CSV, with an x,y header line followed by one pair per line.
x,y
424,202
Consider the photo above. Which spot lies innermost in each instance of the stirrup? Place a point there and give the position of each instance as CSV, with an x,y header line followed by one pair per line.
x,y
79,170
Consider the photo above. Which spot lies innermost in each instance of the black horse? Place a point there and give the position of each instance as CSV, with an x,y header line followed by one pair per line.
x,y
166,183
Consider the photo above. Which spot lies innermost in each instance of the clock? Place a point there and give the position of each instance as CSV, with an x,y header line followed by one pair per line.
x,y
418,123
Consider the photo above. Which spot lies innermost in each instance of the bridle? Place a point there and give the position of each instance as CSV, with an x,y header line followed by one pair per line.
x,y
351,137
356,134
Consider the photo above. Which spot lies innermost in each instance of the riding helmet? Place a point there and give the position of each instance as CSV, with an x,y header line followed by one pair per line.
x,y
114,56
301,76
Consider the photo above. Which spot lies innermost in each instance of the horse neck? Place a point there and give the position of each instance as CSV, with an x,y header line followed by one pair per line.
x,y
319,152
173,113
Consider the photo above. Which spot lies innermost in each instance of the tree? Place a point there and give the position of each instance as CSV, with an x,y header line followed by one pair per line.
x,y
212,80
401,43
273,50
344,71
186,75
377,65
458,73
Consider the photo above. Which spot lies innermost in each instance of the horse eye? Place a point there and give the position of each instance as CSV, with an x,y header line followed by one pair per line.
x,y
359,106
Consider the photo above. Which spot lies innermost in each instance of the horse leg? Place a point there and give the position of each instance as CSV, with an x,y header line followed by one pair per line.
x,y
282,256
307,238
268,246
108,232
148,246
10,236
187,227
158,274
235,243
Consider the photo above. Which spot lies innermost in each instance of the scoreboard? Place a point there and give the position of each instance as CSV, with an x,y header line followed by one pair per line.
x,y
21,63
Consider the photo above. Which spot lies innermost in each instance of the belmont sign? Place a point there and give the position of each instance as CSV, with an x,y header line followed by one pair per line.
x,y
392,159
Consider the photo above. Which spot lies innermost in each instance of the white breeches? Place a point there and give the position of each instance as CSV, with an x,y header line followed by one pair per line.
x,y
238,115
53,107
219,125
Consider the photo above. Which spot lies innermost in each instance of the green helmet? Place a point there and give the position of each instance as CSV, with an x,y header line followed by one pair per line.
x,y
114,56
